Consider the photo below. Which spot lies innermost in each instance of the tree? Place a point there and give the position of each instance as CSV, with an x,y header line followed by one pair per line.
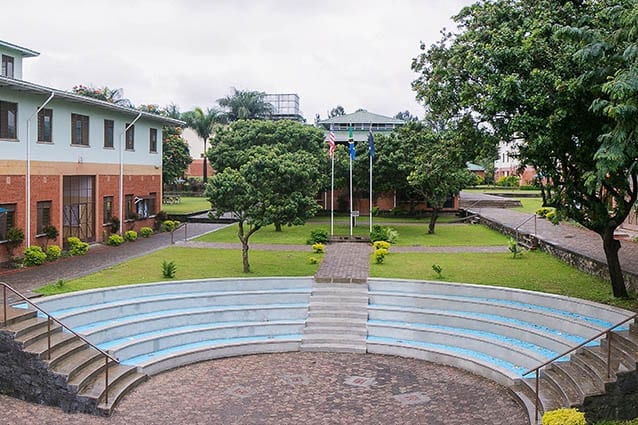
x,y
406,116
175,154
106,94
273,186
439,175
245,105
202,123
336,111
510,72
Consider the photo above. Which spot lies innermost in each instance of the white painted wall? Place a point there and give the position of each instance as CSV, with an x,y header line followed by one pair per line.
x,y
17,61
61,148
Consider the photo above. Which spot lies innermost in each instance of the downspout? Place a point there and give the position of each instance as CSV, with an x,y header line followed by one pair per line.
x,y
139,115
28,179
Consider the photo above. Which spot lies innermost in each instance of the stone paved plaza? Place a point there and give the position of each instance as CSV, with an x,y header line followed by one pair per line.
x,y
300,388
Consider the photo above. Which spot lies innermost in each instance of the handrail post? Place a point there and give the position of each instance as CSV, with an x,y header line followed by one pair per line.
x,y
537,400
49,338
608,354
106,380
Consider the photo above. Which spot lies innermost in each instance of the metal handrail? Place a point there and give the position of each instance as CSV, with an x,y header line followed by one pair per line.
x,y
582,344
50,318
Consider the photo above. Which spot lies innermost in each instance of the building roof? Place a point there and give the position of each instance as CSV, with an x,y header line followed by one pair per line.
x,y
22,50
474,167
361,117
31,88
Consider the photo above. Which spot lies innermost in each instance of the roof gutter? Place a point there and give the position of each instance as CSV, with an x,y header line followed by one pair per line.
x,y
28,179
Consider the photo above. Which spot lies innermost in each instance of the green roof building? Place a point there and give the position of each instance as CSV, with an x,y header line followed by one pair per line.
x,y
361,122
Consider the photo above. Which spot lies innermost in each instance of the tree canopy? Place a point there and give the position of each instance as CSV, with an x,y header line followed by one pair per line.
x,y
515,70
175,155
203,122
106,94
245,105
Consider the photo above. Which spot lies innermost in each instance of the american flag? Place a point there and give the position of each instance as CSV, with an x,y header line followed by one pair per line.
x,y
331,142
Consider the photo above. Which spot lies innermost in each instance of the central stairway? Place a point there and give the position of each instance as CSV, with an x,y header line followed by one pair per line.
x,y
337,318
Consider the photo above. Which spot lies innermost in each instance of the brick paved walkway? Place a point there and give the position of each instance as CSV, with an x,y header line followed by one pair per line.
x,y
345,262
299,388
572,238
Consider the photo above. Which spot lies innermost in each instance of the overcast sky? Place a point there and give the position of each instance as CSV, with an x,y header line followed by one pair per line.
x,y
331,52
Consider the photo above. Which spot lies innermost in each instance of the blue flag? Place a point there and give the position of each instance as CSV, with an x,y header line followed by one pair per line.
x,y
371,143
351,147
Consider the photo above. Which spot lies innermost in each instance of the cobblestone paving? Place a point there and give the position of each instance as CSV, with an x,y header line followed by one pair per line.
x,y
300,388
345,262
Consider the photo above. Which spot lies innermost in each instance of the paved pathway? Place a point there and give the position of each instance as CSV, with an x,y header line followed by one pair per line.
x,y
345,262
299,388
572,238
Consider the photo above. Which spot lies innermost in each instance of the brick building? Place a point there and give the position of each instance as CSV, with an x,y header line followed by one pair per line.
x,y
73,162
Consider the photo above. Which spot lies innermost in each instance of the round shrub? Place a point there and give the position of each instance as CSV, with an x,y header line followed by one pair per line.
x,y
76,246
381,245
146,232
53,252
130,235
318,248
379,255
115,240
318,236
34,256
313,260
170,225
564,417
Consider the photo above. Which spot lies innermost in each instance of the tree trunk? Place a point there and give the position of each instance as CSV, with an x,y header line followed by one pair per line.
x,y
611,247
205,170
277,226
244,246
435,215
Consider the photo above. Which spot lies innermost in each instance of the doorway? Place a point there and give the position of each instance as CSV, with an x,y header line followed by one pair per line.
x,y
78,206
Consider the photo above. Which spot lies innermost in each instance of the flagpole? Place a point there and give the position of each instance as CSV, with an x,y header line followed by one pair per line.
x,y
370,204
351,143
332,198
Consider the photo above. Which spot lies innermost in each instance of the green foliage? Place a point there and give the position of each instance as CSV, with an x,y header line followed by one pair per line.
x,y
175,154
106,94
60,283
34,256
379,255
381,245
15,236
76,246
50,231
115,240
245,105
146,232
115,224
375,211
130,235
313,260
514,248
543,211
564,417
169,269
383,233
438,270
53,252
318,236
508,181
169,225
318,248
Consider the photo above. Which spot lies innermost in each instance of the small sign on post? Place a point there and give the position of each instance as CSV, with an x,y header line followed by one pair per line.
x,y
354,215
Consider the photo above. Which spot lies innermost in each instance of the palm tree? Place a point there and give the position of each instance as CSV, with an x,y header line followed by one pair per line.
x,y
245,105
202,123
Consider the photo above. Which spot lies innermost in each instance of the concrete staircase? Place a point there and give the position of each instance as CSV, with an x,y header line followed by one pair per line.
x,y
73,363
337,318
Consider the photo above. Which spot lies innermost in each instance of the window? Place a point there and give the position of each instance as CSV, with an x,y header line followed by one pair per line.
x,y
8,120
7,217
79,130
108,133
130,138
107,217
145,207
45,125
153,140
44,216
129,203
7,66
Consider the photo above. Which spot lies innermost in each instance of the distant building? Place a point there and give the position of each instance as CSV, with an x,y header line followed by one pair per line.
x,y
285,107
507,163
68,161
361,122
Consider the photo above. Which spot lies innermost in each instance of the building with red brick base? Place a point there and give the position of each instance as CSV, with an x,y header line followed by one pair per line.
x,y
81,165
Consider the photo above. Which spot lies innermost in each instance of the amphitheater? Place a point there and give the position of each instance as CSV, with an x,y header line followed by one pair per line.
x,y
497,333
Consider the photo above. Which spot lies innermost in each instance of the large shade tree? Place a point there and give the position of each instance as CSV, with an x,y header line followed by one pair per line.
x,y
515,68
245,105
203,123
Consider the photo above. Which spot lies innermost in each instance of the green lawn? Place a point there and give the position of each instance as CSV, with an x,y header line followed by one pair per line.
x,y
535,271
193,263
530,205
187,205
409,234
